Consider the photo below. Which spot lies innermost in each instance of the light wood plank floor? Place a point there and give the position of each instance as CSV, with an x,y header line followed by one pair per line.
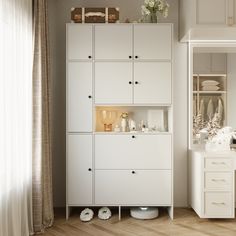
x,y
186,223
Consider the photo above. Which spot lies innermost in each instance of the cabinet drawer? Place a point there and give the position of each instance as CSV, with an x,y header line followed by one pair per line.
x,y
114,187
218,164
218,181
122,151
218,205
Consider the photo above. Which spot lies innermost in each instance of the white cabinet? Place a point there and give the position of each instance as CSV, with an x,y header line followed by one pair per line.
x,y
133,187
119,67
209,63
133,151
211,12
212,183
79,96
152,82
79,164
113,42
79,42
207,20
159,36
113,82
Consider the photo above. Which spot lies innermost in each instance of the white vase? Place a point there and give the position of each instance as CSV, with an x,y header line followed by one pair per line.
x,y
123,125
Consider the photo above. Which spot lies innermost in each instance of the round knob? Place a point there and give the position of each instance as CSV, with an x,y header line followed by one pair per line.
x,y
136,82
89,96
130,57
136,57
89,57
133,172
89,169
133,136
130,82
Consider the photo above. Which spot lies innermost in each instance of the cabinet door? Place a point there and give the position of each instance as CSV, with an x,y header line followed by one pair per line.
x,y
133,187
152,42
211,12
113,82
133,151
201,63
113,41
79,42
79,113
79,176
152,82
218,63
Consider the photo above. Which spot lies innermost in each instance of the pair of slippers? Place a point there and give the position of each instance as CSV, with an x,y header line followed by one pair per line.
x,y
87,214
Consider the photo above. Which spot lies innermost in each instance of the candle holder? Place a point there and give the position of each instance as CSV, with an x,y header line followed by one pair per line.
x,y
108,118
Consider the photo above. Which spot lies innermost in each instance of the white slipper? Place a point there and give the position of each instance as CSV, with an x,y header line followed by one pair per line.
x,y
86,215
104,213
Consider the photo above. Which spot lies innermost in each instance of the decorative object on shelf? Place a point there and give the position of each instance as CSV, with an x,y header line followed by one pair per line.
x,y
86,215
210,85
156,120
152,8
198,124
104,213
144,213
132,125
95,15
221,141
124,116
108,118
213,126
117,128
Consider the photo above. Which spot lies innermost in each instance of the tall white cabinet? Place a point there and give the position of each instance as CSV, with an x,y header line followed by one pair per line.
x,y
116,66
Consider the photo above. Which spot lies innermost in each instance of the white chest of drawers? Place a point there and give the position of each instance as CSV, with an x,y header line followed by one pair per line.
x,y
211,184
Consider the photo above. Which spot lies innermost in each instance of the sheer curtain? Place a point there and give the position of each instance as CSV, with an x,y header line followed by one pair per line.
x,y
15,117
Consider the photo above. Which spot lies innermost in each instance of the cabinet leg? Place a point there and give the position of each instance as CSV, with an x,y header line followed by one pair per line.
x,y
68,209
171,212
119,212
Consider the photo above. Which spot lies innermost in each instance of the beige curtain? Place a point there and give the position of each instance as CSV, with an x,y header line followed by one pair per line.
x,y
42,159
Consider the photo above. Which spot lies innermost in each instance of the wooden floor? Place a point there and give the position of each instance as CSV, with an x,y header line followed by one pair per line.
x,y
186,223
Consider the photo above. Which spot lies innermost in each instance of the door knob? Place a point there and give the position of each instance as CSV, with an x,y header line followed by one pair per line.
x,y
89,96
133,172
136,82
133,136
130,57
130,82
136,57
89,169
89,57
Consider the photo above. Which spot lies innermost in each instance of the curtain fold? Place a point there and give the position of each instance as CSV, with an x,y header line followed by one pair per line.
x,y
15,117
42,158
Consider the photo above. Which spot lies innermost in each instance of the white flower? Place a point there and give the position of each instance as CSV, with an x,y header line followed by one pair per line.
x,y
146,2
151,4
145,11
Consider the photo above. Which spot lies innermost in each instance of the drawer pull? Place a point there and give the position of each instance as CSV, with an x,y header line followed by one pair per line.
x,y
133,136
218,180
218,203
218,163
133,172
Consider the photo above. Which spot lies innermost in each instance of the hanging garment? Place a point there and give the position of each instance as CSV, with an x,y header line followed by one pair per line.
x,y
220,109
202,108
210,109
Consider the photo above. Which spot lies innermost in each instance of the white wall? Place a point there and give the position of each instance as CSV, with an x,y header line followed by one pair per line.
x,y
231,95
59,14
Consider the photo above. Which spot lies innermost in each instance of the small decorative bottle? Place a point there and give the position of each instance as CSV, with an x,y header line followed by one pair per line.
x,y
123,124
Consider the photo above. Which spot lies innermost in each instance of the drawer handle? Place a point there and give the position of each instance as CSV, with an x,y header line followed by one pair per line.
x,y
133,136
218,180
218,203
218,163
133,172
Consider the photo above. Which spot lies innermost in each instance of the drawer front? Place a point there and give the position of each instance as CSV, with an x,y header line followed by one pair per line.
x,y
218,164
218,181
151,187
133,151
218,204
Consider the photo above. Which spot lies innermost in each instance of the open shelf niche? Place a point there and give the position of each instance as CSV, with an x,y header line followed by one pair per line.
x,y
153,118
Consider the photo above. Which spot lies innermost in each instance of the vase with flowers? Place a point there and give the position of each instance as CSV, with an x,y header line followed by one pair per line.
x,y
152,8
